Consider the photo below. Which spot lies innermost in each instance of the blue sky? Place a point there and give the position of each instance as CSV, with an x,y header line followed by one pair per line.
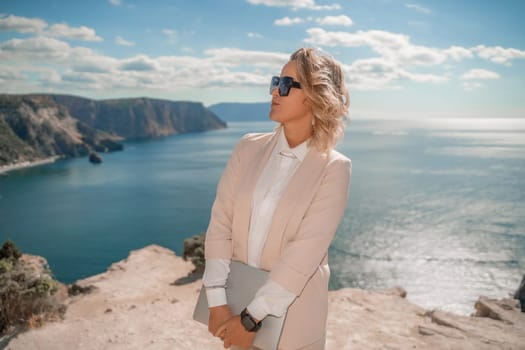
x,y
413,59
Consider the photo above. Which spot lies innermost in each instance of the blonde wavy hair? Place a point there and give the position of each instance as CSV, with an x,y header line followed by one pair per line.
x,y
323,83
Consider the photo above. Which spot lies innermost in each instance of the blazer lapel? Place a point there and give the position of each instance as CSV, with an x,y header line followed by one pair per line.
x,y
243,203
299,189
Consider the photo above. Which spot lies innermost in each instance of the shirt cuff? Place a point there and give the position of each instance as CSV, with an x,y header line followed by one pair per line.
x,y
257,309
215,276
216,297
270,299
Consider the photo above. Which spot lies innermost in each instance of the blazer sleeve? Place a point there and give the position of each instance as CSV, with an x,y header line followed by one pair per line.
x,y
218,242
302,255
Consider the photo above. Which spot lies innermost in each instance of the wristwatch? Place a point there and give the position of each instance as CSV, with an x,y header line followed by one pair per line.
x,y
249,322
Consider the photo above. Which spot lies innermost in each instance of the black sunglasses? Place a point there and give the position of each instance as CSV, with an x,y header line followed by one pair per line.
x,y
284,84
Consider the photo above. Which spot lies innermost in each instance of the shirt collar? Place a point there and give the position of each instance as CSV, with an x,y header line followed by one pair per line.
x,y
298,151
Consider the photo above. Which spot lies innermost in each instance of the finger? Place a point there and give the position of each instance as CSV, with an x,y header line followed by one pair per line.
x,y
220,331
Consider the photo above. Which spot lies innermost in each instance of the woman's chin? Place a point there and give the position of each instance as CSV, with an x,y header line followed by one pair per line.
x,y
275,116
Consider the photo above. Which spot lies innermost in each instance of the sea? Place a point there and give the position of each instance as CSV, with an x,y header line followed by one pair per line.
x,y
436,206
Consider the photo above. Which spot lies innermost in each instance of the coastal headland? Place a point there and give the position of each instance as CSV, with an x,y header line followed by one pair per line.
x,y
40,128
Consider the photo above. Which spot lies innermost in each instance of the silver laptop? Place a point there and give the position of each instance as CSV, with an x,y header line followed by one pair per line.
x,y
243,282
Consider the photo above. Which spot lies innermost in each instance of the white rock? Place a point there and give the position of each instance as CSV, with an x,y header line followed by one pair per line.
x,y
358,319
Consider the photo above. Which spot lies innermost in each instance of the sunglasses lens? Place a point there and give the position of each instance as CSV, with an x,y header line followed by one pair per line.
x,y
285,84
274,83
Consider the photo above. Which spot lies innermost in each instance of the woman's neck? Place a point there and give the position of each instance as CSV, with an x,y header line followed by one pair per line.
x,y
297,135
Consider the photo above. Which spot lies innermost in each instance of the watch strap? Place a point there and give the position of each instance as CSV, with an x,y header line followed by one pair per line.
x,y
249,322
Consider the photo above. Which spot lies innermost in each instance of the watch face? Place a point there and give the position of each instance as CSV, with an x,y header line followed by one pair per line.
x,y
248,323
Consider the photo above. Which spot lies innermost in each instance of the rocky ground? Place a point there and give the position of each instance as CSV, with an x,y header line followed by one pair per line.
x,y
136,305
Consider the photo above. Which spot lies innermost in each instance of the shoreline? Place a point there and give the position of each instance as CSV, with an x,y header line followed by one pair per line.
x,y
4,169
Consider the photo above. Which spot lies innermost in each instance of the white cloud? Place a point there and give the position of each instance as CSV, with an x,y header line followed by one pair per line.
x,y
399,48
396,56
477,74
60,65
75,77
396,47
39,48
498,54
234,56
139,63
40,52
91,67
171,35
287,21
49,75
424,78
457,53
115,2
418,8
123,42
223,67
78,33
55,65
9,74
238,78
380,73
92,62
21,24
319,36
335,21
41,27
295,4
469,85
370,74
254,35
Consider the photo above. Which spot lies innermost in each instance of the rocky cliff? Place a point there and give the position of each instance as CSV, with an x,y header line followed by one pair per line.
x,y
34,127
141,117
136,305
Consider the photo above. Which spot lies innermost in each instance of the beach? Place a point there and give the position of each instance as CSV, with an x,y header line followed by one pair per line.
x,y
4,169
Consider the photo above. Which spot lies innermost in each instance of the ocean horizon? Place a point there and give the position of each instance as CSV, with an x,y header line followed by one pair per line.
x,y
436,206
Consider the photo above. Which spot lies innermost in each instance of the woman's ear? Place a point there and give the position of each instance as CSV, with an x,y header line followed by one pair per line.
x,y
307,103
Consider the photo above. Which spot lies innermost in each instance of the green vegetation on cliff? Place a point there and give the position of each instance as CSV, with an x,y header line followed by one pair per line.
x,y
28,290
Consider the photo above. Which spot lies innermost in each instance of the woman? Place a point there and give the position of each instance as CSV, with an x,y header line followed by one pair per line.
x,y
278,205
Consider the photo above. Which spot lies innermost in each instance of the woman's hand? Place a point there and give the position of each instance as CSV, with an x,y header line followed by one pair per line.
x,y
235,333
218,315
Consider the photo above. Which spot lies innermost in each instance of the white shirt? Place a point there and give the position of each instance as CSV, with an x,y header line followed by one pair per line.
x,y
271,298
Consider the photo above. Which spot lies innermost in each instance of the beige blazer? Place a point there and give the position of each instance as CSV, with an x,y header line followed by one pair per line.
x,y
305,221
